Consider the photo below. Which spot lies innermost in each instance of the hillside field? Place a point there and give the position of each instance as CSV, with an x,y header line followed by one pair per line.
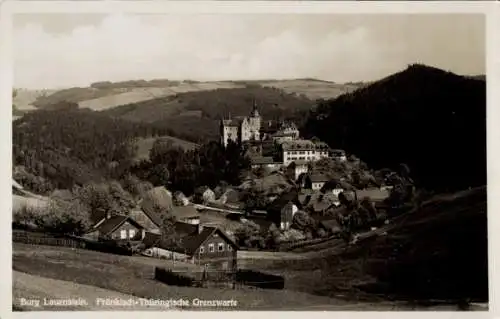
x,y
100,97
313,89
133,276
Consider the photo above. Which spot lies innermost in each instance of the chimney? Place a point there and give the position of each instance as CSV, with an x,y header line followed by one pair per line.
x,y
200,228
108,215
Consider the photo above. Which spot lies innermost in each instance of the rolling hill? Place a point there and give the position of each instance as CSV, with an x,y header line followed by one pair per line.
x,y
24,99
430,119
105,95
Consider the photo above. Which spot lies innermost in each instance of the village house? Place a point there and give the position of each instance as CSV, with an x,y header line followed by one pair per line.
x,y
318,181
303,150
180,199
265,162
283,208
147,219
288,131
317,202
196,244
297,168
186,214
339,155
118,228
204,194
231,199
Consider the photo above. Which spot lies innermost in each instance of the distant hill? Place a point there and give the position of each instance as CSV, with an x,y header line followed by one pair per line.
x,y
312,88
432,120
24,98
100,96
104,95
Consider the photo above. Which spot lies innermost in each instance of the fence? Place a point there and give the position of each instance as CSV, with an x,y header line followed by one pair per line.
x,y
259,279
32,238
220,279
170,278
36,238
302,243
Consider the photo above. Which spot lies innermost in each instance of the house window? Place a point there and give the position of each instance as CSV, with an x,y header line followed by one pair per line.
x,y
123,234
202,249
211,248
131,233
229,247
220,247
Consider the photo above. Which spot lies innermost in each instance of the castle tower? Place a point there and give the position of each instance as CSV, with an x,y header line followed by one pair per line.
x,y
229,130
254,122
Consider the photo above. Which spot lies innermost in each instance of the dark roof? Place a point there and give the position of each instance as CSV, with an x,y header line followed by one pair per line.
x,y
317,178
298,145
338,153
301,162
180,212
232,196
283,199
262,160
111,224
231,122
201,189
190,238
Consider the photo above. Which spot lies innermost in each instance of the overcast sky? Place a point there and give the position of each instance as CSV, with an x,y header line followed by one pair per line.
x,y
62,50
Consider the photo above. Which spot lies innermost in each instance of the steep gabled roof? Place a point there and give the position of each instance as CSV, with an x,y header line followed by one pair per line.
x,y
190,238
109,225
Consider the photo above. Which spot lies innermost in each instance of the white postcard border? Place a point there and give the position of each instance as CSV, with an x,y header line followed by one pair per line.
x,y
490,9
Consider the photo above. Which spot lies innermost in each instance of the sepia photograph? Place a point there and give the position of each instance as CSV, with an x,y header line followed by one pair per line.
x,y
249,161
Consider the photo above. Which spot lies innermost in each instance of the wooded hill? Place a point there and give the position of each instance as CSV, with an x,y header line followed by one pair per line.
x,y
75,146
430,119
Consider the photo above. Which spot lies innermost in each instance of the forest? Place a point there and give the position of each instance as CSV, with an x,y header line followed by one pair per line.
x,y
430,119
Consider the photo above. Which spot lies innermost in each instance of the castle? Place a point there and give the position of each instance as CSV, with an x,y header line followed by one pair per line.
x,y
252,128
243,129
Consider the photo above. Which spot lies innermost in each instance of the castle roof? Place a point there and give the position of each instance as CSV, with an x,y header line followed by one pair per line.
x,y
231,122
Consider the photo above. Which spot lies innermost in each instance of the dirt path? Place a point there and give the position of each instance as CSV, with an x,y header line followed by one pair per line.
x,y
37,288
